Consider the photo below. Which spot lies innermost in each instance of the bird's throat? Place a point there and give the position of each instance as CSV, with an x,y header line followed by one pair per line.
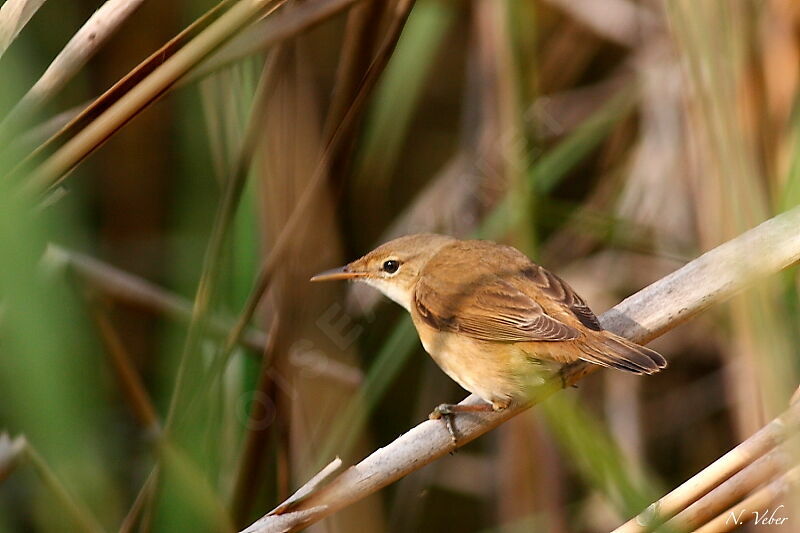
x,y
392,291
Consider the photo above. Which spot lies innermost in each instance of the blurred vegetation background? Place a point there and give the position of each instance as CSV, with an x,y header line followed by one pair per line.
x,y
612,141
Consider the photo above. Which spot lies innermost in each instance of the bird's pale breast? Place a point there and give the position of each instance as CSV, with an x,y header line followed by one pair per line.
x,y
497,372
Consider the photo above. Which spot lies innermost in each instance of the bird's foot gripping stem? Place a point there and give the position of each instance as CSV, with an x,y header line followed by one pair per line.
x,y
447,411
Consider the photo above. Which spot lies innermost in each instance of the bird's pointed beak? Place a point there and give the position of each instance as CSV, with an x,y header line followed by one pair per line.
x,y
338,273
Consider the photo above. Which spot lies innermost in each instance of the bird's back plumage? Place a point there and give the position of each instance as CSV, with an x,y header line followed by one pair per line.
x,y
501,296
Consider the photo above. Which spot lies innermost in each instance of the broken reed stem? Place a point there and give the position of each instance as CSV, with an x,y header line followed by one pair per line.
x,y
709,279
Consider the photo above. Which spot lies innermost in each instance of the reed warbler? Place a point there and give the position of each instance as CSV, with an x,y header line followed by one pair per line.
x,y
489,316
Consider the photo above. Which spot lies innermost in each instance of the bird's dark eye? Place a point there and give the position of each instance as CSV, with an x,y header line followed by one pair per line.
x,y
391,266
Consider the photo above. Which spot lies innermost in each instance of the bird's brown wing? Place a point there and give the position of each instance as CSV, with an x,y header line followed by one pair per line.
x,y
490,310
557,290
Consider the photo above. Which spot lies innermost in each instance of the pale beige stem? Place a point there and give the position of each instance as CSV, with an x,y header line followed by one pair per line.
x,y
707,280
80,48
732,490
14,15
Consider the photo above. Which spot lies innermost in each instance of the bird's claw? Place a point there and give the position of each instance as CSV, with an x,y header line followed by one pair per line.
x,y
439,411
446,412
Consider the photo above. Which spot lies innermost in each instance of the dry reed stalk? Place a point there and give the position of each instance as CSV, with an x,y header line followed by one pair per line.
x,y
220,229
88,113
361,37
14,15
123,286
499,145
133,388
709,279
269,32
499,160
771,464
39,134
148,90
254,449
759,501
288,174
294,221
714,475
731,190
81,47
361,41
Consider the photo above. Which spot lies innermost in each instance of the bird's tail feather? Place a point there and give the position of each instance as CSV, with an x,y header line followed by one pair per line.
x,y
617,352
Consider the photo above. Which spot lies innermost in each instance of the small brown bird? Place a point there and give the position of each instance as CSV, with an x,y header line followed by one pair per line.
x,y
489,316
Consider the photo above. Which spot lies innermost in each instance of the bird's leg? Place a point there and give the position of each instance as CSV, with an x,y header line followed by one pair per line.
x,y
562,374
448,410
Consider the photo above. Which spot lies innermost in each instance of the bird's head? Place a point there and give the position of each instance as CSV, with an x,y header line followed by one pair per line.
x,y
392,268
